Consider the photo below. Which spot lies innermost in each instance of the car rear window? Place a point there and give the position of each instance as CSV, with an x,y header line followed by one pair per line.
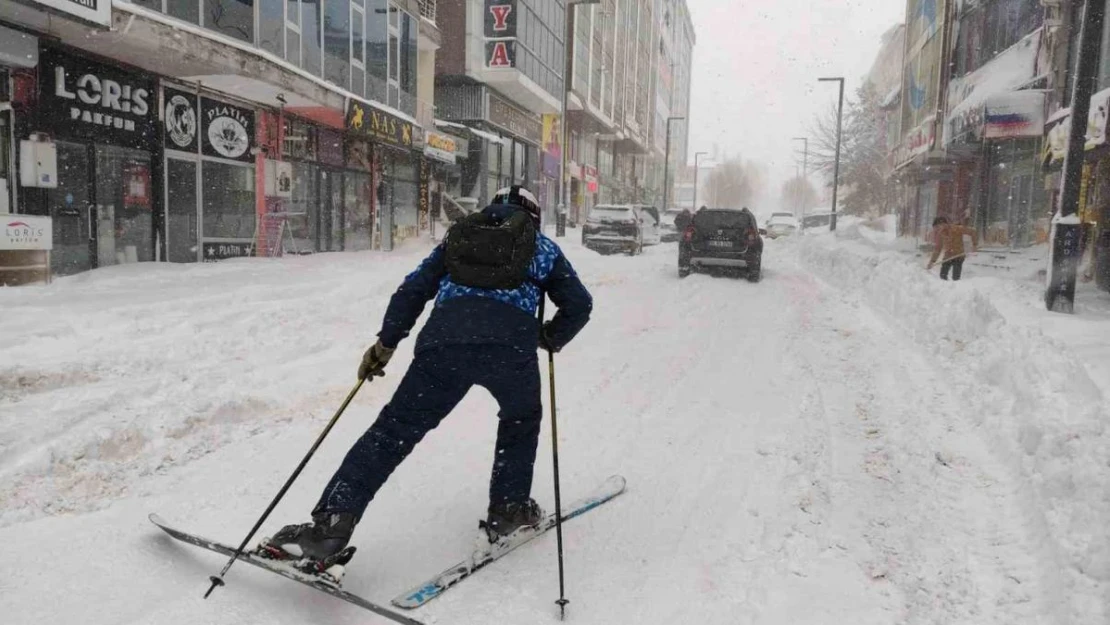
x,y
714,219
611,213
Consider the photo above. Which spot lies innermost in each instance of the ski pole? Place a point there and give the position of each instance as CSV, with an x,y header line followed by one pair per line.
x,y
219,580
562,601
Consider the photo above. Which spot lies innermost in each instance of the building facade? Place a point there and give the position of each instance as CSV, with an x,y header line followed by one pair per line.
x,y
197,130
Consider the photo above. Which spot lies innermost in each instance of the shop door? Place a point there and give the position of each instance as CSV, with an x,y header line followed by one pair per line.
x,y
1021,200
73,211
124,224
330,217
181,211
385,214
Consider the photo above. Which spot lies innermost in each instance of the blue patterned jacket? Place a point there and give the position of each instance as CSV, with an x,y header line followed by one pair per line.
x,y
468,316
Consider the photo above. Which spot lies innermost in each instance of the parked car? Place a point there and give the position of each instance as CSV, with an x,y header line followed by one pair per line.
x,y
817,220
649,218
613,228
781,225
722,239
668,232
777,215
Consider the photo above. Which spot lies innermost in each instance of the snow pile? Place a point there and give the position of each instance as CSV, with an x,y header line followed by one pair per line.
x,y
1033,401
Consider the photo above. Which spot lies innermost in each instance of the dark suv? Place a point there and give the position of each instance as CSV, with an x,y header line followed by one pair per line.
x,y
724,240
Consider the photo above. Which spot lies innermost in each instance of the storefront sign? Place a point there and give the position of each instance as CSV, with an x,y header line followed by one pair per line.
x,y
524,125
440,147
501,18
379,125
227,130
921,140
501,33
223,251
85,100
501,54
1013,115
95,11
26,232
180,120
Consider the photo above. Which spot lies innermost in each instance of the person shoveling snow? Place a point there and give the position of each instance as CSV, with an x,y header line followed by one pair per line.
x,y
949,240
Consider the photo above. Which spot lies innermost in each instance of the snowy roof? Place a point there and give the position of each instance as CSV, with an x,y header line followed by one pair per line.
x,y
1009,71
489,136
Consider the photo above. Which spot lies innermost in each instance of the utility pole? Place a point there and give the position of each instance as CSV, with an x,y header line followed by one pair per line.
x,y
839,125
1066,227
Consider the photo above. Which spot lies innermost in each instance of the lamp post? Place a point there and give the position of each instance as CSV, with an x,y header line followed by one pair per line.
x,y
667,165
697,156
836,167
568,82
805,174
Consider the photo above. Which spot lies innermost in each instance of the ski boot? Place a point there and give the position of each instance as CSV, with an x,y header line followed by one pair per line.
x,y
318,548
504,523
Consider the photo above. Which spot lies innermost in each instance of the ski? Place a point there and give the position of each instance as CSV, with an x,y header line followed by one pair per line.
x,y
437,585
285,570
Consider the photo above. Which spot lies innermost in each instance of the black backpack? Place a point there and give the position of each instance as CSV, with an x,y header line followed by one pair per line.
x,y
486,253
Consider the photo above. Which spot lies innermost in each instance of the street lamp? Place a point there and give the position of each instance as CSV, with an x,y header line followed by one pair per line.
x,y
667,164
805,175
568,83
697,156
836,168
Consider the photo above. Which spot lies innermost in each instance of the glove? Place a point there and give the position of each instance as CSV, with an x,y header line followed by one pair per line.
x,y
374,361
546,342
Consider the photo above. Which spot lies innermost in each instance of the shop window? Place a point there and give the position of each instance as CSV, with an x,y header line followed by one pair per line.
x,y
405,193
311,21
299,141
185,10
357,236
337,42
271,26
124,204
303,206
233,18
229,210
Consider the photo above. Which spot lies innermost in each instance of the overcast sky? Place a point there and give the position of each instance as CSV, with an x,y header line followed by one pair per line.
x,y
756,66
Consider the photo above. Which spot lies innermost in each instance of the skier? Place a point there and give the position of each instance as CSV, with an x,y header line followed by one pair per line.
x,y
949,239
487,278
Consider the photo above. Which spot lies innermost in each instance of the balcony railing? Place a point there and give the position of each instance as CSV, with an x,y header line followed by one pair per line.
x,y
428,9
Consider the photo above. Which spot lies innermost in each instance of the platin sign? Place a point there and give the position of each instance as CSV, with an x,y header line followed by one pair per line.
x,y
378,125
222,251
180,120
85,100
501,18
517,122
27,232
227,130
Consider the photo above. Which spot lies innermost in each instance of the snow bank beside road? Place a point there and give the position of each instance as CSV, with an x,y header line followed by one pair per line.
x,y
1033,400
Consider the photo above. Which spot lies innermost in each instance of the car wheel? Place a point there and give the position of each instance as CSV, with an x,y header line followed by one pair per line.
x,y
683,271
755,274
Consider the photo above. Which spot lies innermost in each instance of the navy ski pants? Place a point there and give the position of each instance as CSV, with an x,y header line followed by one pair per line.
x,y
435,383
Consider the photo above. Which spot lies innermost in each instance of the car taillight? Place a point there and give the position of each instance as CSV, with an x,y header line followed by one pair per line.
x,y
688,235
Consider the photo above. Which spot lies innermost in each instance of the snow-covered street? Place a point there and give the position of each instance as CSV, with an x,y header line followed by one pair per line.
x,y
803,450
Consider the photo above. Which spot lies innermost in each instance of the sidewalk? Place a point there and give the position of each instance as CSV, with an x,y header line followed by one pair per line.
x,y
1036,384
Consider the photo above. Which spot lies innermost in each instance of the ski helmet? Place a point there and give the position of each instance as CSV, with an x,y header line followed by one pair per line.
x,y
517,195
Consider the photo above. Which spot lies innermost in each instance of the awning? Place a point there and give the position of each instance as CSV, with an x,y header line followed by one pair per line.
x,y
489,136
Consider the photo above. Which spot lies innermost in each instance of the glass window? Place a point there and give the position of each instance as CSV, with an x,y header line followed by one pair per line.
x,y
271,26
394,58
186,10
408,55
233,18
293,12
405,193
300,140
124,197
228,200
153,5
337,42
358,220
358,35
519,172
293,47
377,49
311,53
